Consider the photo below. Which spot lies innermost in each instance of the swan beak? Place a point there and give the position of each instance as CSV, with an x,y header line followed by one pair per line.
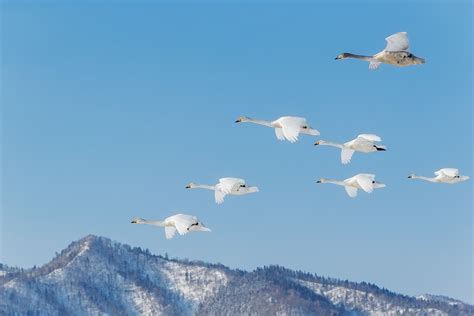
x,y
237,121
188,187
317,143
319,181
409,177
133,222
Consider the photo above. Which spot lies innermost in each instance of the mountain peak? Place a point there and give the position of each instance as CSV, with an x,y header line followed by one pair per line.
x,y
95,275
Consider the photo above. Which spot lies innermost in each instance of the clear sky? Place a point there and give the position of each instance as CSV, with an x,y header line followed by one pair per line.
x,y
109,110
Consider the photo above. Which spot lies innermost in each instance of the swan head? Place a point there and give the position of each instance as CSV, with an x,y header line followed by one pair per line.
x,y
411,176
241,119
342,56
137,220
191,185
322,180
319,142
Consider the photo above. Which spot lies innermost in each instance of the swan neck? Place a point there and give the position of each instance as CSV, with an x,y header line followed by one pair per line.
x,y
335,182
362,57
155,223
323,142
424,178
205,186
260,122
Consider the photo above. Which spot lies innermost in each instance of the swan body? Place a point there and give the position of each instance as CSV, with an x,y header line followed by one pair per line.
x,y
395,53
363,181
444,175
232,186
363,143
286,127
181,223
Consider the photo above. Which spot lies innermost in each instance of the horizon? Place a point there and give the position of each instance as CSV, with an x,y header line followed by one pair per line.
x,y
166,256
110,109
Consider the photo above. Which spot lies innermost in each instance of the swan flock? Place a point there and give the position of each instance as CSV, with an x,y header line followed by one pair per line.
x,y
289,128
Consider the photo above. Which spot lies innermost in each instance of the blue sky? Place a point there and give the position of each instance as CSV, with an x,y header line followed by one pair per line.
x,y
108,110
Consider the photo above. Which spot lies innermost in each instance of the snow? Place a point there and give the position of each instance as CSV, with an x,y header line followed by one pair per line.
x,y
195,283
367,302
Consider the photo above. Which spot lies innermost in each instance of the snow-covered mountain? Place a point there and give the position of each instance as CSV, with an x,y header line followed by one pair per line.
x,y
96,276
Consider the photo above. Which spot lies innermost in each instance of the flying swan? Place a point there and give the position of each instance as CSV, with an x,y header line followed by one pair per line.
x,y
363,143
445,175
180,222
232,186
362,181
395,53
286,127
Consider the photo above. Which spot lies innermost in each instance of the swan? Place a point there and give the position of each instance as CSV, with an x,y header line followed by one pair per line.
x,y
444,175
362,181
180,222
286,127
363,143
233,186
395,53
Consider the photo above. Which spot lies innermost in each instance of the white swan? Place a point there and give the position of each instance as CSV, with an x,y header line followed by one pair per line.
x,y
362,181
180,222
445,175
232,186
395,53
363,143
286,127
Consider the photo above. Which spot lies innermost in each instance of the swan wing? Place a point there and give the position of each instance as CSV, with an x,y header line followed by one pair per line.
x,y
227,185
450,172
397,42
370,137
365,181
346,155
374,65
279,133
291,128
351,191
169,231
219,196
183,222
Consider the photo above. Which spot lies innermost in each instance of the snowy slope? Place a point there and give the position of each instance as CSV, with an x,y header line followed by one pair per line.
x,y
96,276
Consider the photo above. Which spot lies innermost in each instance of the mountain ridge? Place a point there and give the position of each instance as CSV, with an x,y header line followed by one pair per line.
x,y
95,275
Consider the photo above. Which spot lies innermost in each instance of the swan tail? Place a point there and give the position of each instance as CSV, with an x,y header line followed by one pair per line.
x,y
253,189
378,185
311,131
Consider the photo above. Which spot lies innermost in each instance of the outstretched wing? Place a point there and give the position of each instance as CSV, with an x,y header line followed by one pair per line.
x,y
374,65
346,155
184,222
370,137
219,196
450,172
291,128
365,181
397,42
279,133
169,232
351,191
